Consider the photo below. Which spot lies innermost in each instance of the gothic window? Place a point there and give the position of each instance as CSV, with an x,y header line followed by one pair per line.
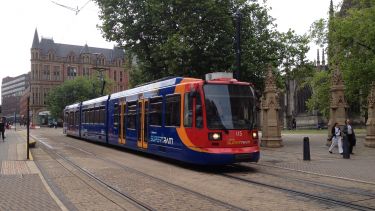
x,y
115,75
86,59
85,71
51,56
56,73
46,72
72,72
120,76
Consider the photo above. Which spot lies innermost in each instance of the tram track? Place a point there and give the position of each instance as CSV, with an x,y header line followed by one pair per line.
x,y
82,148
314,196
127,196
314,183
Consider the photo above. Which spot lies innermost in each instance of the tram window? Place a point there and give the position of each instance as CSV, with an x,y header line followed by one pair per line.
x,y
66,117
91,116
116,115
156,107
124,121
70,118
83,116
172,110
102,115
131,115
198,112
88,116
98,118
76,120
188,110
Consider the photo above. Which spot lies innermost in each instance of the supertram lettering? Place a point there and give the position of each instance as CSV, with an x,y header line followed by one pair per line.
x,y
161,140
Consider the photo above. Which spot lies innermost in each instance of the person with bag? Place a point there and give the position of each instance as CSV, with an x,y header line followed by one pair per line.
x,y
336,138
350,135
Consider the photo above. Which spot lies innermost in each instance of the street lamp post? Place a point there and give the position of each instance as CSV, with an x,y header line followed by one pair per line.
x,y
238,16
100,70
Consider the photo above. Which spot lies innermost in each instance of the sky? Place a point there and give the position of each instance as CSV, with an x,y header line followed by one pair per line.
x,y
20,18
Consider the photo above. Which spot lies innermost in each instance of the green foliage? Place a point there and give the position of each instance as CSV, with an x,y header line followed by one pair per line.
x,y
320,84
351,40
192,38
73,91
355,37
319,32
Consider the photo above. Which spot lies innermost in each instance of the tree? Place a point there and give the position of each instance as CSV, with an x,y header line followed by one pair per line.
x,y
192,38
354,34
171,37
349,34
73,91
320,84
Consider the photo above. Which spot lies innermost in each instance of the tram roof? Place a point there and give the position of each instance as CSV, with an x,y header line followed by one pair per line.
x,y
96,100
72,106
147,88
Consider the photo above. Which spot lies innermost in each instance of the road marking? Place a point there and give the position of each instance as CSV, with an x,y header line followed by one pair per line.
x,y
49,146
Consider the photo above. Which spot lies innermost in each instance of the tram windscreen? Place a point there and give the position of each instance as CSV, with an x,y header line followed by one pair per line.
x,y
229,107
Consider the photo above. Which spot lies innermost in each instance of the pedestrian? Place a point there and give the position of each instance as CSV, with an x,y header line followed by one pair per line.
x,y
294,123
336,138
2,128
350,135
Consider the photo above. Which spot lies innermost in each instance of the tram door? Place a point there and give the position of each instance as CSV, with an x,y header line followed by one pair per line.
x,y
142,123
122,129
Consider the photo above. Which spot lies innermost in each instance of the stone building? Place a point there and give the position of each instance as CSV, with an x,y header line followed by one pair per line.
x,y
53,63
12,88
294,101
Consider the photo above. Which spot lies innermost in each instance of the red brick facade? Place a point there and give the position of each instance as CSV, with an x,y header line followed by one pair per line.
x,y
53,63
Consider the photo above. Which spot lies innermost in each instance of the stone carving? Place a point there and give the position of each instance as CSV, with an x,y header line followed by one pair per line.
x,y
271,126
270,80
370,124
337,77
338,104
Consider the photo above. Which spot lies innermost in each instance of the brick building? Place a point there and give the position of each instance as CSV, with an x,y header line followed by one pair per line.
x,y
12,88
53,63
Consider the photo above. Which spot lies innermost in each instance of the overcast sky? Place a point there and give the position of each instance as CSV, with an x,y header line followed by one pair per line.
x,y
19,18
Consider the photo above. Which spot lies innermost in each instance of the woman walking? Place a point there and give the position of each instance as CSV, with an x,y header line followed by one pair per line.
x,y
349,132
336,138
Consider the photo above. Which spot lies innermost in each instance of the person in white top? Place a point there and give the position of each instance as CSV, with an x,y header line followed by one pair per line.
x,y
336,138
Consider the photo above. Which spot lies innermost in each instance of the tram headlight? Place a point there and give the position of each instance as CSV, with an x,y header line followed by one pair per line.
x,y
255,135
214,136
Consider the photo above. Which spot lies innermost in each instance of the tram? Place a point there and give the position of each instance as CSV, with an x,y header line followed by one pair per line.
x,y
204,122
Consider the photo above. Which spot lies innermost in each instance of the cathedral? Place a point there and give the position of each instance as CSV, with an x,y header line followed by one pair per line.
x,y
294,101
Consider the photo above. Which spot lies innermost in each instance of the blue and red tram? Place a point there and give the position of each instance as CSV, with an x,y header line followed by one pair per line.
x,y
206,122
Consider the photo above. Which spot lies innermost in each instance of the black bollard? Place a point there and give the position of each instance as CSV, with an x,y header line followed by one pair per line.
x,y
306,148
345,147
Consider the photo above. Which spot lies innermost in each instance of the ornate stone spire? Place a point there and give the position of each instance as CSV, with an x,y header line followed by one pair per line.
x,y
270,80
336,79
338,104
271,130
35,40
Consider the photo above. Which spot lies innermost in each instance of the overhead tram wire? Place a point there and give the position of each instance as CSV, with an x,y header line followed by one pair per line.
x,y
76,10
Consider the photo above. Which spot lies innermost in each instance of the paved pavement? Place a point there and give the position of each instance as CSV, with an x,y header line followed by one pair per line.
x,y
360,167
22,186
